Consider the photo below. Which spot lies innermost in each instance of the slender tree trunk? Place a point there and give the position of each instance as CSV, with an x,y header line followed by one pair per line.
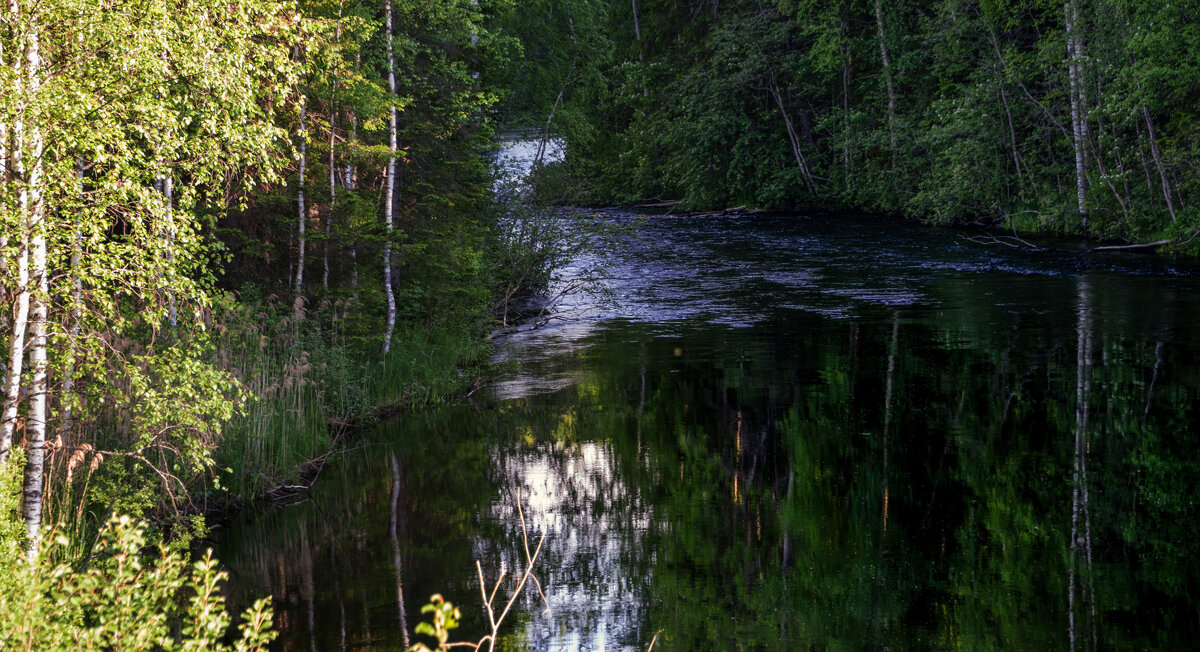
x,y
5,182
1158,163
396,559
847,163
349,185
301,217
16,349
389,197
541,150
36,424
887,78
1081,519
332,204
22,289
637,32
68,383
332,163
794,140
1078,107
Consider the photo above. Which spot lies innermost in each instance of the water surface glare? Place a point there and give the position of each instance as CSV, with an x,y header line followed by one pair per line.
x,y
780,433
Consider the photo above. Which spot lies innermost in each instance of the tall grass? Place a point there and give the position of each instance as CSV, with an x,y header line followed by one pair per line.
x,y
310,384
424,367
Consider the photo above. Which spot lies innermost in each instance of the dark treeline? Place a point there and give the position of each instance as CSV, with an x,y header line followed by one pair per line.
x,y
1076,116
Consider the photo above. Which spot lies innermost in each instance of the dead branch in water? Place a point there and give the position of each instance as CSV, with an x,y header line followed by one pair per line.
x,y
489,600
1132,247
1007,240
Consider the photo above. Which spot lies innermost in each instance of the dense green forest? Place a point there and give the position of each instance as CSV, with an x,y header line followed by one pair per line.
x,y
1075,116
231,232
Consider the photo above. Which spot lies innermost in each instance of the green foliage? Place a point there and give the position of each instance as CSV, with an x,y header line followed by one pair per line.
x,y
969,120
123,596
445,617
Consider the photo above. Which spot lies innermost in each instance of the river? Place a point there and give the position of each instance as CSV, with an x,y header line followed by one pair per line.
x,y
783,432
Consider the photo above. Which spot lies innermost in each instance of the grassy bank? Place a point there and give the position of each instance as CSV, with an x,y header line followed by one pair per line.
x,y
312,386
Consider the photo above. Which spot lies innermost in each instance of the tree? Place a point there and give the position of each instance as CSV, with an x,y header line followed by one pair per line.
x,y
124,91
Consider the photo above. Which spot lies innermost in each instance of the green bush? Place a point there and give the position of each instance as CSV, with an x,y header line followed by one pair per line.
x,y
124,595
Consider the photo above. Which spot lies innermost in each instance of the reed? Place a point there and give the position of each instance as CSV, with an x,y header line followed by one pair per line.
x,y
300,375
425,368
310,381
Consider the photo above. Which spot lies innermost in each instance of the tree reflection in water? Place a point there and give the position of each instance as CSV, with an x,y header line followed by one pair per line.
x,y
912,476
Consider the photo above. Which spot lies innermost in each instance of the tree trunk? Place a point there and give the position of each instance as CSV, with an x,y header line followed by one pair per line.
x,y
68,383
36,424
16,349
332,164
388,200
22,290
332,204
301,217
396,559
794,140
887,78
1081,518
349,183
637,32
1078,108
1158,163
847,165
541,150
39,278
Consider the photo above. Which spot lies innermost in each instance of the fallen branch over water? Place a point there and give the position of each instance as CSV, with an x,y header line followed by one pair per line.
x,y
736,210
1006,240
1144,245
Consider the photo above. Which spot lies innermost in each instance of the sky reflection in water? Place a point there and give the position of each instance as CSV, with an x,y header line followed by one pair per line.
x,y
788,432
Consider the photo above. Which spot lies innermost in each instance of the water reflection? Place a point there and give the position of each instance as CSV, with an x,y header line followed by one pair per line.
x,y
999,460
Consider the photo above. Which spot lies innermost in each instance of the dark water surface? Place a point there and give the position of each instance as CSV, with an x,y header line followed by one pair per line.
x,y
788,433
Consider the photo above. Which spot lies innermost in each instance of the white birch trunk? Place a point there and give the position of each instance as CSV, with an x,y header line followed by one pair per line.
x,y
389,196
21,292
36,425
16,350
1074,72
301,218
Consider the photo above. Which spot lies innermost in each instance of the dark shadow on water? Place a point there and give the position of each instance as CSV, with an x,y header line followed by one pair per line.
x,y
789,434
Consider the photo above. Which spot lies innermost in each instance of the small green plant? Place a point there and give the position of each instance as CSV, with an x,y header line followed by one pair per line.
x,y
446,615
445,618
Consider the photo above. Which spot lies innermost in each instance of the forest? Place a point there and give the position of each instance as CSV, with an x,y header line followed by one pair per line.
x,y
1071,117
232,233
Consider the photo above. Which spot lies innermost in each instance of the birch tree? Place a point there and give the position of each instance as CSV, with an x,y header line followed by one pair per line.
x,y
389,203
150,88
1078,106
